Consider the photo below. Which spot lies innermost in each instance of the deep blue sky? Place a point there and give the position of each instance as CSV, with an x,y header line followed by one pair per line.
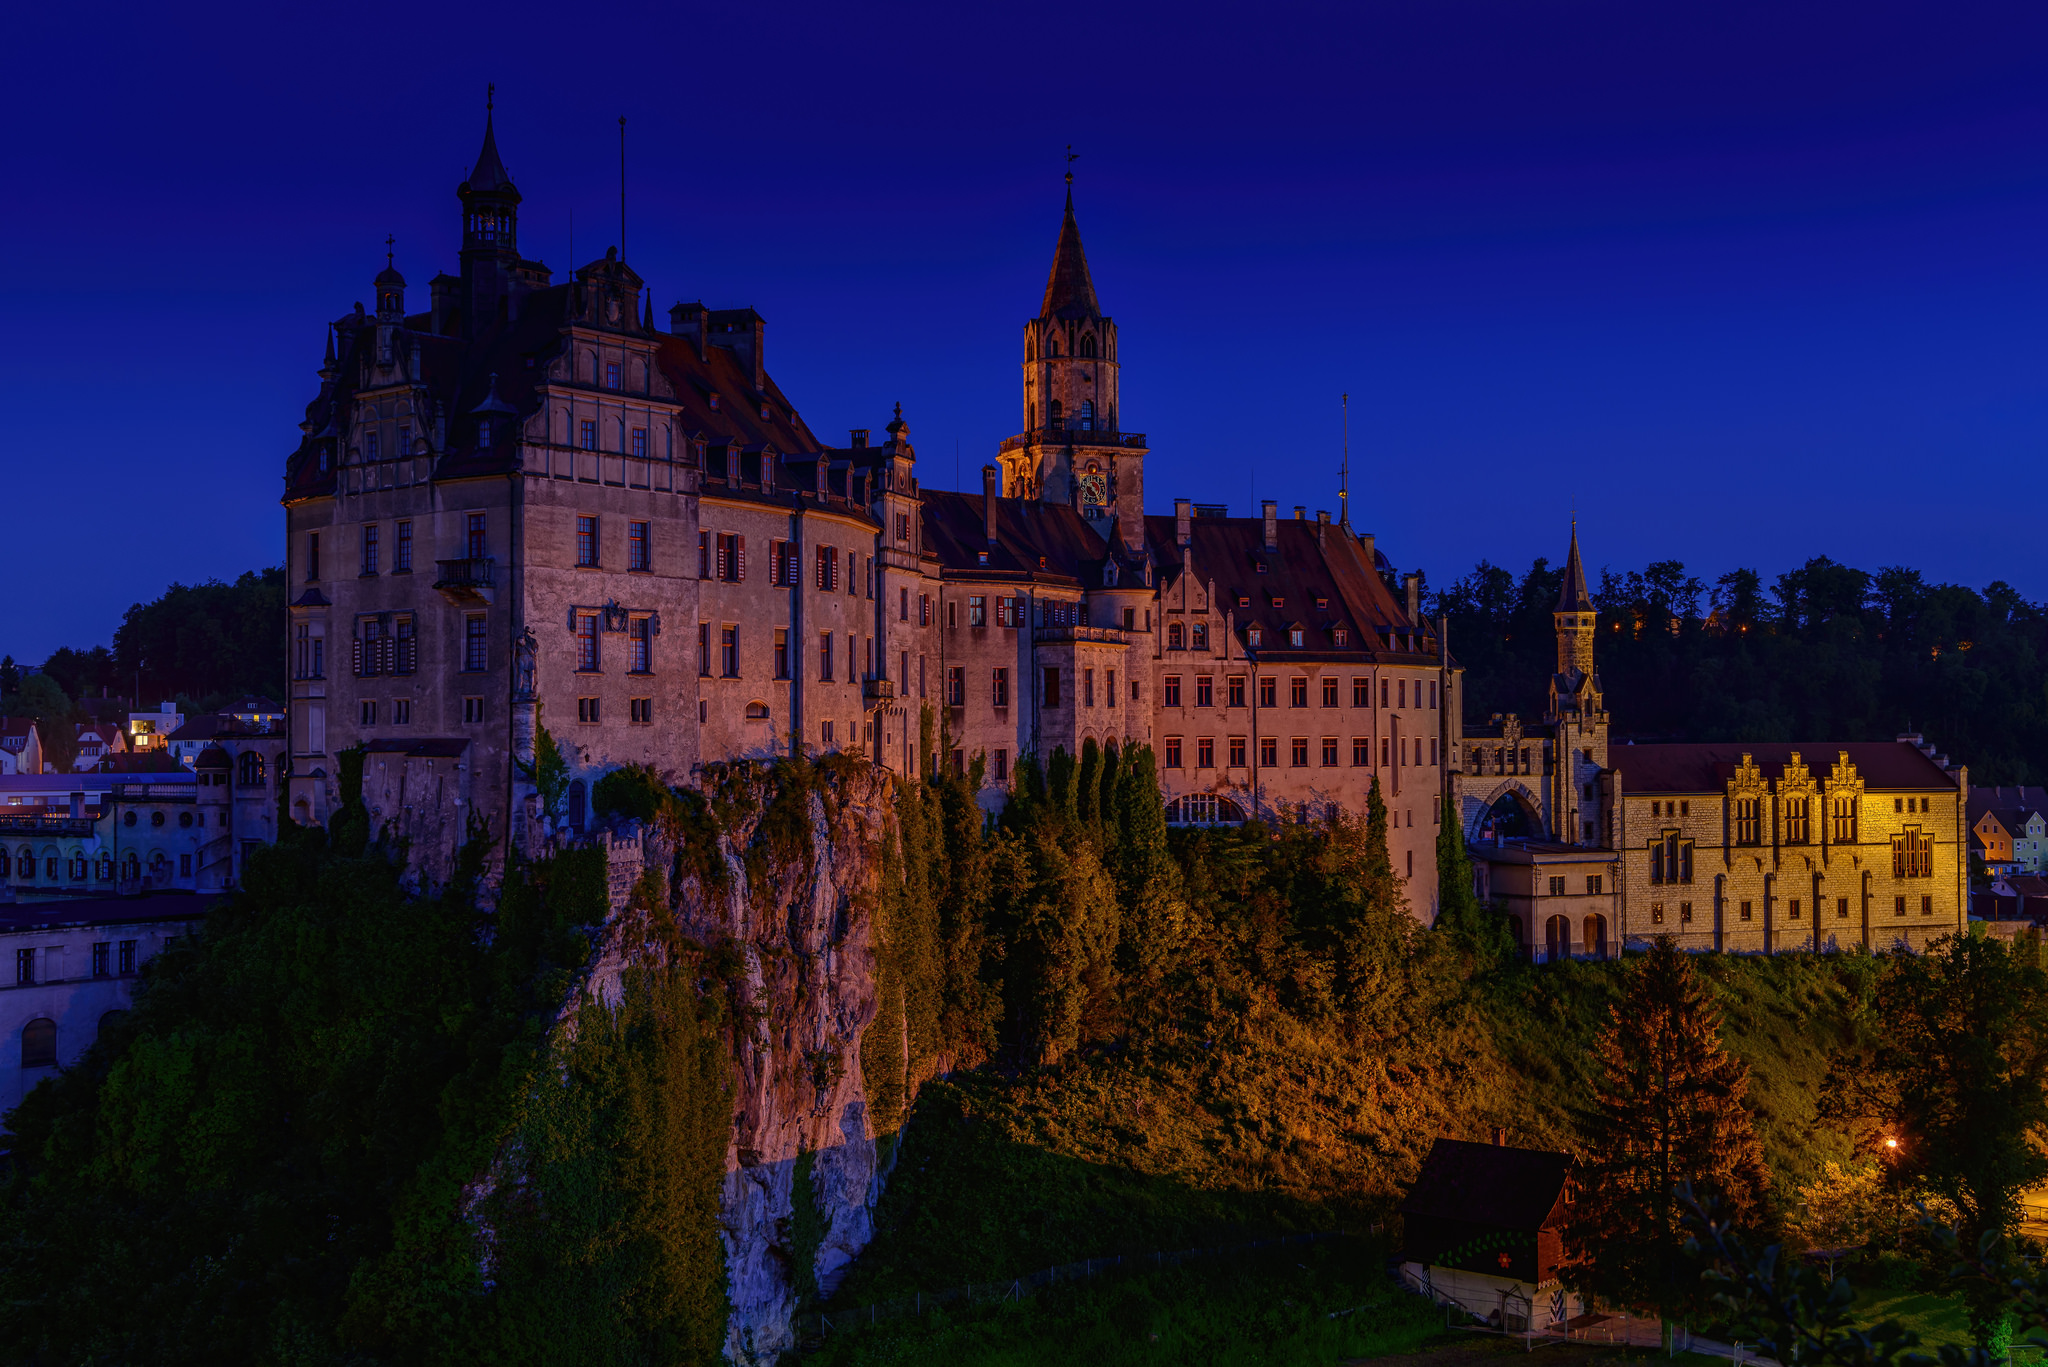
x,y
1748,282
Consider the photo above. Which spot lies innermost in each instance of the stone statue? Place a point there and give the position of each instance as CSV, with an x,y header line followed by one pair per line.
x,y
523,652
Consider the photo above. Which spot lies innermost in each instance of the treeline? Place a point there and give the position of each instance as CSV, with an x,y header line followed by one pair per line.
x,y
202,644
1825,652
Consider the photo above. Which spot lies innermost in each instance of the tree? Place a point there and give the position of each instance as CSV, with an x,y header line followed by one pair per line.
x,y
1957,1076
42,700
1475,929
1837,1210
1668,1110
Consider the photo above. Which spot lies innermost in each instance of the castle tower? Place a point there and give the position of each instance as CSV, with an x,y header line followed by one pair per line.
x,y
490,237
1073,448
1577,709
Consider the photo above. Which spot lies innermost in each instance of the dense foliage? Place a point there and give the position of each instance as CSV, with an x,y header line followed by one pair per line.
x,y
1826,653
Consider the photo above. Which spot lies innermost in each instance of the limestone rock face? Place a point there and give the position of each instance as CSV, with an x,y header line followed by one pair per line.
x,y
801,912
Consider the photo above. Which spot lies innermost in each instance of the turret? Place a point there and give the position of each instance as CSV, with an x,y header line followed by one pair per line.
x,y
490,235
1574,617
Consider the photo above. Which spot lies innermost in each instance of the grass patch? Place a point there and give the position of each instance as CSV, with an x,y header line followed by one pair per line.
x,y
1937,1320
1308,1303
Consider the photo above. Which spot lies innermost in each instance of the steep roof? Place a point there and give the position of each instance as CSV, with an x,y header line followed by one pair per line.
x,y
1027,532
1572,595
1706,768
489,175
1488,1184
1069,292
2006,799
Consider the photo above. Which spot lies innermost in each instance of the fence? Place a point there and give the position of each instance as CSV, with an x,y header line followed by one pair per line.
x,y
816,1323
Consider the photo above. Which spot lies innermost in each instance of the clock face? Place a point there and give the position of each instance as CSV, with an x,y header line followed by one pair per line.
x,y
1094,488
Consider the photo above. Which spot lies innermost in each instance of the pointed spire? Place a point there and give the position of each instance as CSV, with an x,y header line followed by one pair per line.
x,y
1069,292
1572,597
489,174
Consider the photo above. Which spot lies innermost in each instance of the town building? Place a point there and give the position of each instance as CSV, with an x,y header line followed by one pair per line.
x,y
97,741
68,971
1589,845
2009,829
530,506
150,730
21,747
1483,1230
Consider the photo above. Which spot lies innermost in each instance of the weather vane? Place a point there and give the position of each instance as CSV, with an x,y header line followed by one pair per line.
x,y
389,243
1072,156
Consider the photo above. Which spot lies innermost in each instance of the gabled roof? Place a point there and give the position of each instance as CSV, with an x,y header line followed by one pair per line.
x,y
1488,1184
1027,532
1069,292
1707,768
2006,799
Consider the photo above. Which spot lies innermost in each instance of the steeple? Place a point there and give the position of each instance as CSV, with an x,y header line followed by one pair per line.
x,y
1069,293
1572,596
490,231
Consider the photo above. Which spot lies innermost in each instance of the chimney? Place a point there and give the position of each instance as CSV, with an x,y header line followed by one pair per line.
x,y
1271,512
760,354
1322,526
1183,514
1301,512
443,290
1372,559
691,321
1414,582
1500,1136
857,438
989,491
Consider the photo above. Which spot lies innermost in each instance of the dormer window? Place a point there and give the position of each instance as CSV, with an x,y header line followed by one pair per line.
x,y
1341,637
764,410
1322,603
483,434
981,557
1251,636
1294,637
1244,601
714,402
1279,602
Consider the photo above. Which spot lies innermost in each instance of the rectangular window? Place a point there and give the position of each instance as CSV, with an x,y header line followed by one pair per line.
x,y
1002,766
1898,906
1745,913
586,709
924,609
1329,752
781,653
1557,890
977,611
586,543
478,546
1299,752
1383,692
637,557
1052,686
640,442
1748,821
1593,883
1843,815
1205,691
703,650
401,562
370,444
729,650
366,714
640,632
1171,690
903,605
956,685
312,557
903,534
1913,854
24,967
1205,753
611,374
1297,693
101,960
587,658
1237,752
1173,752
475,644
1795,821
1792,908
370,548
1926,904
999,688
1269,752
124,957
472,711
1432,749
401,711
828,568
1361,752
641,711
1841,908
589,434
1330,692
825,656
1361,693
1269,692
1432,694
1233,691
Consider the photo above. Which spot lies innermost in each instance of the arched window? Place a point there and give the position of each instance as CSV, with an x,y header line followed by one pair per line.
x,y
1030,347
50,864
757,711
250,769
1176,637
1557,934
105,870
1087,344
6,864
1052,348
39,1043
76,867
1596,936
1201,636
1053,418
109,1021
1085,419
131,867
26,865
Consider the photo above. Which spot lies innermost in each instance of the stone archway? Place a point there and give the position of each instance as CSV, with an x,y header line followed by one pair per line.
x,y
1511,809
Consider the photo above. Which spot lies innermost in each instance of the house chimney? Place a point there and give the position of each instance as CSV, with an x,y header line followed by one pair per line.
x,y
1322,526
1271,511
1301,512
989,491
1372,559
1414,582
857,438
1500,1136
1183,514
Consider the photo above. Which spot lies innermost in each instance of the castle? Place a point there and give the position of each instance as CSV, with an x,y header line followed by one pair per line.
x,y
529,505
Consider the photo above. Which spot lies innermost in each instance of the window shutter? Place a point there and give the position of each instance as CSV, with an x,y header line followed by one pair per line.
x,y
703,555
722,571
356,650
741,574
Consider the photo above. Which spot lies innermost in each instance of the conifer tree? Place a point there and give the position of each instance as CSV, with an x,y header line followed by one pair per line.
x,y
1474,928
1668,1109
1088,786
1147,880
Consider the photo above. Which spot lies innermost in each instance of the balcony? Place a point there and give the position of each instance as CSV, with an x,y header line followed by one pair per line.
x,y
878,690
1108,635
1063,436
470,580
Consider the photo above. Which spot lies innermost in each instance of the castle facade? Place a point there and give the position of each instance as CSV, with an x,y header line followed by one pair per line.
x,y
530,505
